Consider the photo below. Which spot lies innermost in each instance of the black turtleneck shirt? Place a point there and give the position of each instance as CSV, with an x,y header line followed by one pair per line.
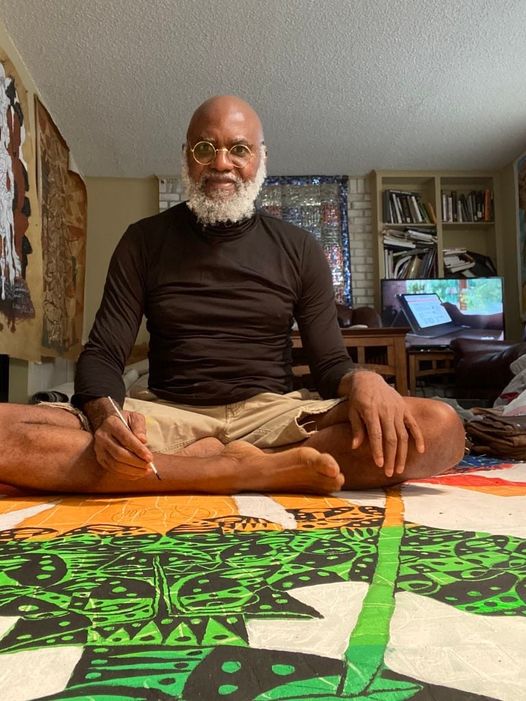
x,y
219,303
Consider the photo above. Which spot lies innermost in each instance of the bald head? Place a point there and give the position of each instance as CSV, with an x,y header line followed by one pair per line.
x,y
225,108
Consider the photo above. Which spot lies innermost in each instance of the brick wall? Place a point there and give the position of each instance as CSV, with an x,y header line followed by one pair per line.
x,y
361,242
170,191
360,232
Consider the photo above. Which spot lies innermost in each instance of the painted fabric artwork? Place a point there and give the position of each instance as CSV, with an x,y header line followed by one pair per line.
x,y
317,203
20,267
64,222
418,592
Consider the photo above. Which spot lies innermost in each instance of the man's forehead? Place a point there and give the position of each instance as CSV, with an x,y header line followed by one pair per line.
x,y
212,137
229,115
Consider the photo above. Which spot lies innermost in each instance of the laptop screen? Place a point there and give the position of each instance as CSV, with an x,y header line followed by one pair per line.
x,y
427,310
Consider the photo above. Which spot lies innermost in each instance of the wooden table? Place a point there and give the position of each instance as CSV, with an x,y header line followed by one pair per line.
x,y
382,350
427,363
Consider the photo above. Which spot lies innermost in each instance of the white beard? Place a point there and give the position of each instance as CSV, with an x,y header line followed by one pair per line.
x,y
219,210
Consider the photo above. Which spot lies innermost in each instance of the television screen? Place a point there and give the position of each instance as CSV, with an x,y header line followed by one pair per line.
x,y
480,297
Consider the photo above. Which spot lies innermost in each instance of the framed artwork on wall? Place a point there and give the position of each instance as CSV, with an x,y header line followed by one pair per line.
x,y
20,250
63,201
317,203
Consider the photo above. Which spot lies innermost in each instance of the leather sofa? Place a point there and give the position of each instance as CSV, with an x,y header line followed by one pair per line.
x,y
362,316
482,368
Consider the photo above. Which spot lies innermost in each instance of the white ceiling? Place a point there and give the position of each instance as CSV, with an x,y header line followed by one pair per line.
x,y
342,86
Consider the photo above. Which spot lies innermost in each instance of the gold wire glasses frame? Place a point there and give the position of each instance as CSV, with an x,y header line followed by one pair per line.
x,y
205,153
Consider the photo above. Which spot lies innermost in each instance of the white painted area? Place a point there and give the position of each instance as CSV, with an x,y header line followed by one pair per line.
x,y
6,623
438,644
443,506
339,604
261,506
34,674
371,497
14,518
517,473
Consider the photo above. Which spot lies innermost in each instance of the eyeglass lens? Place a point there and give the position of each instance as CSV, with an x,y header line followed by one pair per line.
x,y
204,153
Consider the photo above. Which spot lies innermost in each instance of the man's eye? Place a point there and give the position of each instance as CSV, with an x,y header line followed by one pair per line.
x,y
240,150
204,149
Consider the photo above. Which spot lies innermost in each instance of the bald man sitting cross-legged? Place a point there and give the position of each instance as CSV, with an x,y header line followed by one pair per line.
x,y
221,285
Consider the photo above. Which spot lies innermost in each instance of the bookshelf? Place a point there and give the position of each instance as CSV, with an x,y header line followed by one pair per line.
x,y
460,207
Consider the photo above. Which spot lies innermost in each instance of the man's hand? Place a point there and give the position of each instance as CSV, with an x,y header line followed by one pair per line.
x,y
117,448
455,313
377,411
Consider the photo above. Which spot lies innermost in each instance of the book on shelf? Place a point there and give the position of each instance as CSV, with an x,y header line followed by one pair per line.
x,y
408,235
474,206
460,261
411,263
458,265
406,207
394,242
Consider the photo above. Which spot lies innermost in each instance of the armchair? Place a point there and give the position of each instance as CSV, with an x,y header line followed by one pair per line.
x,y
482,368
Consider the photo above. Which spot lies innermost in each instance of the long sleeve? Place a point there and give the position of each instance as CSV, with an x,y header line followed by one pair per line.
x,y
318,324
101,363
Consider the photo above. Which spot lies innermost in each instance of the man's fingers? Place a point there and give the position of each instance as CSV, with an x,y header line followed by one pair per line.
x,y
110,463
125,437
389,440
416,433
401,448
132,473
137,423
373,428
122,455
120,451
358,430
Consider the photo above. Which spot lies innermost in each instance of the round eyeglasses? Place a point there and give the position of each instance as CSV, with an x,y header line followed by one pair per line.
x,y
205,153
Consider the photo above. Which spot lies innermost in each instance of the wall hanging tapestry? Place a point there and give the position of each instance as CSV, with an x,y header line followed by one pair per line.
x,y
417,592
317,203
64,219
20,249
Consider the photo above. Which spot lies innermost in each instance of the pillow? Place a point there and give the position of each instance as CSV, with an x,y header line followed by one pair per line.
x,y
518,364
516,385
129,377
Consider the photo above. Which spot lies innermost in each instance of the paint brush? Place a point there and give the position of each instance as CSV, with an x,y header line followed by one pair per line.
x,y
121,417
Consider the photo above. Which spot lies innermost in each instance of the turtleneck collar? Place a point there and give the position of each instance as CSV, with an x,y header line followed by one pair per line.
x,y
223,231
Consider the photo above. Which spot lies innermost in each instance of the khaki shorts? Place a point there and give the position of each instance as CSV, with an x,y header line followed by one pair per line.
x,y
267,420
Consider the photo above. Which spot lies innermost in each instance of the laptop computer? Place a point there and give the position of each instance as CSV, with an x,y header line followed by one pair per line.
x,y
432,324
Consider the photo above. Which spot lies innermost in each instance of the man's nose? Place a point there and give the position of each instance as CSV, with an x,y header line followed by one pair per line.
x,y
222,160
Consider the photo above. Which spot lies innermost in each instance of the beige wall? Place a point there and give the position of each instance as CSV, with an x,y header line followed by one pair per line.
x,y
113,204
510,250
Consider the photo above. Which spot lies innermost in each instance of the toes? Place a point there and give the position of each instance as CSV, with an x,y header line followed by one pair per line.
x,y
327,465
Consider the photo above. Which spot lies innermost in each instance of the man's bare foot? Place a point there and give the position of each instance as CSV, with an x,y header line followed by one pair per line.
x,y
203,448
295,470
